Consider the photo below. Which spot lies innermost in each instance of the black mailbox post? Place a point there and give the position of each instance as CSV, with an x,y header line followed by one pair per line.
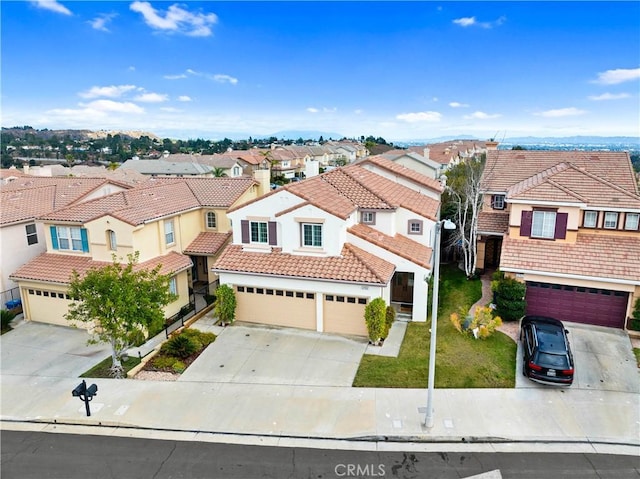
x,y
85,393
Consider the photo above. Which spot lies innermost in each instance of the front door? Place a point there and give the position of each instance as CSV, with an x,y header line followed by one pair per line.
x,y
402,290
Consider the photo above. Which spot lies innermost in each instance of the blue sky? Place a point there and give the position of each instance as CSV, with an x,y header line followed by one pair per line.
x,y
400,70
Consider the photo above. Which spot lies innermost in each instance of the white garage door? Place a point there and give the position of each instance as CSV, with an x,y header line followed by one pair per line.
x,y
277,307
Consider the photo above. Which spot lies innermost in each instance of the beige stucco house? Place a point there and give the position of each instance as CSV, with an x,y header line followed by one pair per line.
x,y
567,223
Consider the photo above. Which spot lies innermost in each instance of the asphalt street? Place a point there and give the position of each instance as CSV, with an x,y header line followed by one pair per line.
x,y
28,454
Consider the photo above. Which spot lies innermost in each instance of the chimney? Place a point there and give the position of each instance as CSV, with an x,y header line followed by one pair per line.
x,y
263,178
25,168
491,145
426,152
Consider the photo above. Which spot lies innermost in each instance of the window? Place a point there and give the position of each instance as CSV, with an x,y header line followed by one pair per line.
x,y
69,238
173,286
497,202
259,232
169,235
312,235
415,227
368,217
211,219
544,224
237,171
111,239
32,234
632,221
590,219
611,220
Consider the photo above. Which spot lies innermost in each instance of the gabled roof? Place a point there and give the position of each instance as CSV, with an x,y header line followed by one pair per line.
x,y
565,182
354,265
162,167
157,198
58,268
505,168
31,197
592,255
400,170
208,243
399,245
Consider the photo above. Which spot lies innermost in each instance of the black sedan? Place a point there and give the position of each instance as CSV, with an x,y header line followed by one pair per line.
x,y
546,353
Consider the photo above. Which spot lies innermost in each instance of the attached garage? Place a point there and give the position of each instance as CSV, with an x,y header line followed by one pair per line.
x,y
46,305
601,307
344,315
295,309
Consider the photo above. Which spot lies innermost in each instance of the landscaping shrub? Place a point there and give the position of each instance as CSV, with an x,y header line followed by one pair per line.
x,y
634,322
482,324
225,305
6,317
180,346
163,362
178,367
389,318
374,315
509,298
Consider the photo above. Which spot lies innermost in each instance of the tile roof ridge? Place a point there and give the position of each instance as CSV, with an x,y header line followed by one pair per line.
x,y
357,252
347,170
605,181
536,179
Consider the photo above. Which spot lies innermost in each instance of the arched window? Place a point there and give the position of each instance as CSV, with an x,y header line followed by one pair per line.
x,y
211,219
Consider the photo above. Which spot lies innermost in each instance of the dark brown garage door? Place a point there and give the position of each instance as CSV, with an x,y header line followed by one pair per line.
x,y
601,307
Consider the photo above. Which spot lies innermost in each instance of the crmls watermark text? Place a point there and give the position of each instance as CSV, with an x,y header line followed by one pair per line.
x,y
360,470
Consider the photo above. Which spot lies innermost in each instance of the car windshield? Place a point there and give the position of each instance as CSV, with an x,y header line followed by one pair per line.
x,y
552,361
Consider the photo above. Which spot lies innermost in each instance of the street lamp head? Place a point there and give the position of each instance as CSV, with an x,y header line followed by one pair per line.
x,y
449,225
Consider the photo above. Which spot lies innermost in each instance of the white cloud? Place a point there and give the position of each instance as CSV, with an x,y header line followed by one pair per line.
x,y
471,21
329,110
113,91
53,6
184,98
152,97
225,79
456,104
175,77
609,96
619,75
561,112
429,116
113,106
312,110
101,21
480,115
170,109
176,19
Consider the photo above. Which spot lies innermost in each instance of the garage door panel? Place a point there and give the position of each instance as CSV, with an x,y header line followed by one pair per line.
x,y
296,310
577,304
343,317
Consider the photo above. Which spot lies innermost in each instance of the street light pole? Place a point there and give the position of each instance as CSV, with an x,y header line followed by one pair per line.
x,y
428,420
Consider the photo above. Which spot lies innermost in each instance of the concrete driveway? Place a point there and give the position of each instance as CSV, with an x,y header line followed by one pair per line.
x,y
603,358
37,349
259,355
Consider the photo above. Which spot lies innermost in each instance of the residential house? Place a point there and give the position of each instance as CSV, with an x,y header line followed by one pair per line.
x,y
168,168
178,223
24,199
567,223
414,161
230,166
449,153
314,253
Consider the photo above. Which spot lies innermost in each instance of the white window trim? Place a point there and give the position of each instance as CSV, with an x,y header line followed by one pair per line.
x,y
212,214
616,215
548,226
266,225
169,230
312,225
595,219
637,221
68,236
173,285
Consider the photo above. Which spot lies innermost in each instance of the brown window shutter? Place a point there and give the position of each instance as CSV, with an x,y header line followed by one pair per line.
x,y
561,226
525,223
244,226
273,233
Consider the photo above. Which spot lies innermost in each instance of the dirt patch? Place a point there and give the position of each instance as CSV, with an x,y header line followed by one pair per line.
x,y
156,376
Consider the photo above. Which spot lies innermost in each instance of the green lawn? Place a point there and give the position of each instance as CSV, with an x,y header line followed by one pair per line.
x,y
462,362
636,351
101,370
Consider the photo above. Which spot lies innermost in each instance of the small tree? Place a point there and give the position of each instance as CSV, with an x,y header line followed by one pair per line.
x,y
509,297
390,317
225,304
374,315
121,302
7,316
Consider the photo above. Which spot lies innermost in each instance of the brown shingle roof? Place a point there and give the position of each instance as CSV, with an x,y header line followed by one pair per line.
x,y
399,245
57,268
208,243
354,265
593,255
493,222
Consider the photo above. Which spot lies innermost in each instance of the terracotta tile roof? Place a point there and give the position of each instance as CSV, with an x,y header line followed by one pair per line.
x,y
505,168
157,198
568,183
57,268
208,243
399,245
445,151
354,265
11,172
493,222
592,255
31,197
404,171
